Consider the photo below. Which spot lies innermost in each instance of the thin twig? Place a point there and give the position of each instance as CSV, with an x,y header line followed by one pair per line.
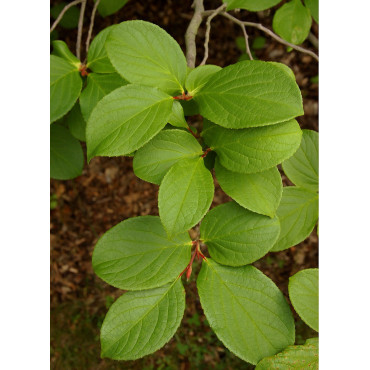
x,y
191,32
91,26
208,31
79,31
313,40
60,16
246,41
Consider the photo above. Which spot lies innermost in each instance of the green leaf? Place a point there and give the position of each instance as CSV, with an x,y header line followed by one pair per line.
x,y
259,43
190,107
294,357
98,85
185,195
259,192
136,254
254,149
236,236
292,22
76,123
177,118
108,7
97,57
146,54
298,214
66,155
65,87
313,5
70,17
303,167
251,5
126,119
304,295
153,160
140,323
251,93
246,310
60,49
199,76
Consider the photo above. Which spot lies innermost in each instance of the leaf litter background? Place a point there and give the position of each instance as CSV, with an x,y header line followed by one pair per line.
x,y
108,192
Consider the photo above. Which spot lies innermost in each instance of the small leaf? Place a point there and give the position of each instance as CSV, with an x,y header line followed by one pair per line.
x,y
177,118
126,119
140,323
65,87
236,236
292,22
144,53
66,155
303,167
250,94
251,5
294,357
70,17
199,76
108,7
136,254
313,5
153,160
98,85
259,192
246,310
304,295
190,107
255,149
76,123
60,49
185,195
298,214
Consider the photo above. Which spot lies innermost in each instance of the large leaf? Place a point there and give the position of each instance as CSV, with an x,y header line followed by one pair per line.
x,y
66,155
292,22
153,160
303,167
146,54
126,119
304,295
259,192
136,254
185,195
313,5
65,86
199,76
61,49
76,123
305,356
236,236
255,149
250,94
246,310
140,323
97,57
98,85
298,214
108,7
251,5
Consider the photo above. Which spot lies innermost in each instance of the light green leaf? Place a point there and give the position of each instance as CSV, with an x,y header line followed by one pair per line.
x,y
177,118
285,68
140,323
313,5
303,167
199,76
294,357
250,94
66,155
185,195
70,17
76,123
98,85
251,5
259,192
126,119
246,310
108,7
298,214
146,54
292,22
136,254
304,295
236,236
97,57
254,149
153,160
65,87
60,49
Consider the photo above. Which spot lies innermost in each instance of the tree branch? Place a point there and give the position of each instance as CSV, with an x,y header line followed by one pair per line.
x,y
191,32
79,31
246,42
313,40
91,26
61,14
